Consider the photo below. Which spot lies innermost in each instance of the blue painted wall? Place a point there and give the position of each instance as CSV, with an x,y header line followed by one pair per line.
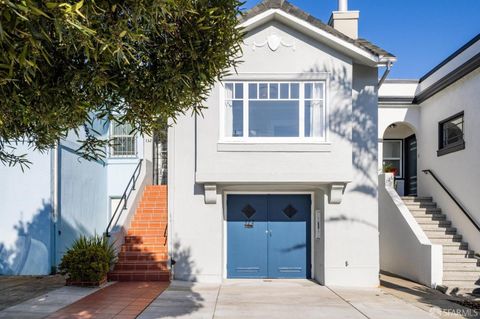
x,y
32,237
25,212
82,197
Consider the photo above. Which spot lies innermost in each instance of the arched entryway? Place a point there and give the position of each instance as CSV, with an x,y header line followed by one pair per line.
x,y
399,154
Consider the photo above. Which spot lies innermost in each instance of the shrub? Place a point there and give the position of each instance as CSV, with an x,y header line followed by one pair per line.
x,y
88,260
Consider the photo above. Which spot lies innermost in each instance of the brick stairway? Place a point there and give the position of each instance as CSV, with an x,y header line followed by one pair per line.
x,y
461,274
144,255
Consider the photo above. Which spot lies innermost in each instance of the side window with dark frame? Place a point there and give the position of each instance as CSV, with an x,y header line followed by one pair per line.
x,y
450,134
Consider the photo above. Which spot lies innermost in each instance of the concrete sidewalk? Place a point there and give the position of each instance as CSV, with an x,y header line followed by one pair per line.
x,y
278,299
44,305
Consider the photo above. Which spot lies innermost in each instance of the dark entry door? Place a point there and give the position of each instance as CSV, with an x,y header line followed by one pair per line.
x,y
268,236
411,165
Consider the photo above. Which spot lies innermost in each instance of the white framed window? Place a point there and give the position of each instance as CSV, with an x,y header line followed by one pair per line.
x,y
393,155
274,111
123,140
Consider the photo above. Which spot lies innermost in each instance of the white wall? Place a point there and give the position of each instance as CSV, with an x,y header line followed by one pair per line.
x,y
405,249
195,229
351,228
26,216
457,170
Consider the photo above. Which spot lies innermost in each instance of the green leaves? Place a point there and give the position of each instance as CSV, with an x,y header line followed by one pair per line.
x,y
89,259
64,62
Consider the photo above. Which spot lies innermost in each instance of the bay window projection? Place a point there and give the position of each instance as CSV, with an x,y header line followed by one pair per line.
x,y
274,110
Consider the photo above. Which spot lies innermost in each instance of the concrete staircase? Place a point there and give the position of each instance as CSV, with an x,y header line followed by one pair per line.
x,y
461,274
144,255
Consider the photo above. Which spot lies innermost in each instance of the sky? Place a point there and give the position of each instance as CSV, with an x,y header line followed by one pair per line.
x,y
420,33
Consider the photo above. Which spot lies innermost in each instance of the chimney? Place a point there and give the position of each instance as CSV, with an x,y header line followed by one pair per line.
x,y
345,21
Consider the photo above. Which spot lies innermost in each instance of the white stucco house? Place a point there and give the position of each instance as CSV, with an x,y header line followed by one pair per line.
x,y
282,174
295,126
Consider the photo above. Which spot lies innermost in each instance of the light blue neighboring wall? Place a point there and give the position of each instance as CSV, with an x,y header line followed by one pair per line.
x,y
86,188
82,197
32,237
26,216
120,170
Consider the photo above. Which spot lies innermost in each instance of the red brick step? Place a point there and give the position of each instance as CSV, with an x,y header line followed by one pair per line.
x,y
144,255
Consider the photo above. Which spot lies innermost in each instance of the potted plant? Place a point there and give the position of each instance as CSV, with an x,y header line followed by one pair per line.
x,y
389,168
88,261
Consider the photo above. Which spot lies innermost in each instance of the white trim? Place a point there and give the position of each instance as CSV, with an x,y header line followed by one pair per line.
x,y
281,15
278,146
312,216
112,136
301,139
301,109
277,76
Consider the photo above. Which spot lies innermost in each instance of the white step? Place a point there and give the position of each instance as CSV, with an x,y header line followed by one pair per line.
x,y
435,225
448,260
430,217
440,230
444,237
423,211
468,276
460,266
455,252
416,199
421,205
454,245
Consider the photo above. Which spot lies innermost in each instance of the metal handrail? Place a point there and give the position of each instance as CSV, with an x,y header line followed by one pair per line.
x,y
462,208
126,195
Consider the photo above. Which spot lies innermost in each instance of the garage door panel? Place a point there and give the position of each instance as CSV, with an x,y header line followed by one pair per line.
x,y
289,242
268,236
247,230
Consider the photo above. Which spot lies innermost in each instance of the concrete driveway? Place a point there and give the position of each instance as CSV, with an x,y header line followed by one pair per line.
x,y
278,299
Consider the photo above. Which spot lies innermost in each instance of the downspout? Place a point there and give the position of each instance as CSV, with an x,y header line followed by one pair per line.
x,y
385,74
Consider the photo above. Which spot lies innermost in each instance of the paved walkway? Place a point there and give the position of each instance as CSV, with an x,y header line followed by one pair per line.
x,y
17,289
397,298
278,299
122,300
425,298
42,306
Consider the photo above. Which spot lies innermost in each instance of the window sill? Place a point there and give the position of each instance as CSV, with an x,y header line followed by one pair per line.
x,y
122,160
451,149
274,147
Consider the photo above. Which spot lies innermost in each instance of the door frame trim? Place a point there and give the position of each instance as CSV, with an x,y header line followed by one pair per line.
x,y
224,224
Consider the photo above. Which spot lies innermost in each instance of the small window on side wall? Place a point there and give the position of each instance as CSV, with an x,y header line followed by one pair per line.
x,y
123,140
450,134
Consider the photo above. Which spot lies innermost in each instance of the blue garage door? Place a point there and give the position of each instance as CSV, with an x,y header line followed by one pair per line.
x,y
268,236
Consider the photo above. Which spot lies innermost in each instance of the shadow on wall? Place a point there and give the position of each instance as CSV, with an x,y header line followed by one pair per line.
x,y
31,253
363,134
184,269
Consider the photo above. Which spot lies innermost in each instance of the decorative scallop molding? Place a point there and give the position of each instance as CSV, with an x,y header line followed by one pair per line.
x,y
273,42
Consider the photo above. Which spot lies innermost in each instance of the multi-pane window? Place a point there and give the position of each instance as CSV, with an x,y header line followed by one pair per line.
x,y
451,134
123,141
274,109
392,155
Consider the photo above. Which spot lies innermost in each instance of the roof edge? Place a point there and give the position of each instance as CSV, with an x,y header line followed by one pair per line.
x,y
451,57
